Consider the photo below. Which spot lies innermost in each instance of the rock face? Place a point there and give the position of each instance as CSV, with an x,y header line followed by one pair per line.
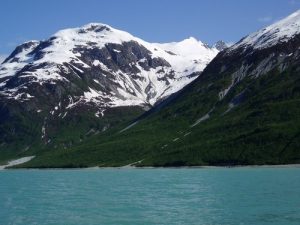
x,y
89,71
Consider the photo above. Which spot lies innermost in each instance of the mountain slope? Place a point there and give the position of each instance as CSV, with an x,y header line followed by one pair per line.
x,y
243,109
85,80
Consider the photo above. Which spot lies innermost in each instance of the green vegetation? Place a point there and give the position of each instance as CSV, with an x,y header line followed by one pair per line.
x,y
61,133
262,128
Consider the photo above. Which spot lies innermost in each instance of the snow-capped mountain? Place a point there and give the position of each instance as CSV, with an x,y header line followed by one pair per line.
x,y
86,80
279,32
273,47
99,64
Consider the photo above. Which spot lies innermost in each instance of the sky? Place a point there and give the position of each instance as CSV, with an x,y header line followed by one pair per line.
x,y
151,20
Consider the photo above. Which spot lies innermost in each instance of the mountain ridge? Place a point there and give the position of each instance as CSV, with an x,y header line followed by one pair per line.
x,y
242,109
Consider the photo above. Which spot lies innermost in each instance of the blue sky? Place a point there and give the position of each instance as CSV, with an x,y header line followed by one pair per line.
x,y
151,20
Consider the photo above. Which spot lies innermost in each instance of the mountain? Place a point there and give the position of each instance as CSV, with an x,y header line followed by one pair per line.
x,y
82,81
243,109
220,45
132,71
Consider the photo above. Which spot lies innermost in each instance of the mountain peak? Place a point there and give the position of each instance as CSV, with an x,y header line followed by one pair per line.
x,y
95,25
94,32
220,45
279,32
191,40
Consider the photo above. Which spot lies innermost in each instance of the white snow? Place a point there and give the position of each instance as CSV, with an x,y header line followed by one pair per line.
x,y
100,112
64,115
96,81
279,32
101,65
203,118
9,68
128,127
17,162
96,63
43,131
91,94
175,139
190,55
230,107
186,134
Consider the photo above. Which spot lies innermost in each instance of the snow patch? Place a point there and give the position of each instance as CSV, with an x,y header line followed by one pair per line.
x,y
17,162
203,118
175,139
128,127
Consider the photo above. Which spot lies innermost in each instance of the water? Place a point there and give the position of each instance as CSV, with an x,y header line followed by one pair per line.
x,y
212,196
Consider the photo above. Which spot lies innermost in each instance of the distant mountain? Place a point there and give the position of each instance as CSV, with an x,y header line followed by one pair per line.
x,y
220,45
86,79
243,109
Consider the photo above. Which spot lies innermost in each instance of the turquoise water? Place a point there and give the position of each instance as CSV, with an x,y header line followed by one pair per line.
x,y
212,196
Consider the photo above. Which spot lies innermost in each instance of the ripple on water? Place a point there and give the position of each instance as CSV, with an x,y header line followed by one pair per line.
x,y
151,196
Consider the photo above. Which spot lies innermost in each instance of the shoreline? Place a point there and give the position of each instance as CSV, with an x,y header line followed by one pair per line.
x,y
12,163
211,167
283,166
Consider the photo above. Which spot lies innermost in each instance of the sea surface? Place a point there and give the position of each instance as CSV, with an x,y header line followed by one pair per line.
x,y
202,196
